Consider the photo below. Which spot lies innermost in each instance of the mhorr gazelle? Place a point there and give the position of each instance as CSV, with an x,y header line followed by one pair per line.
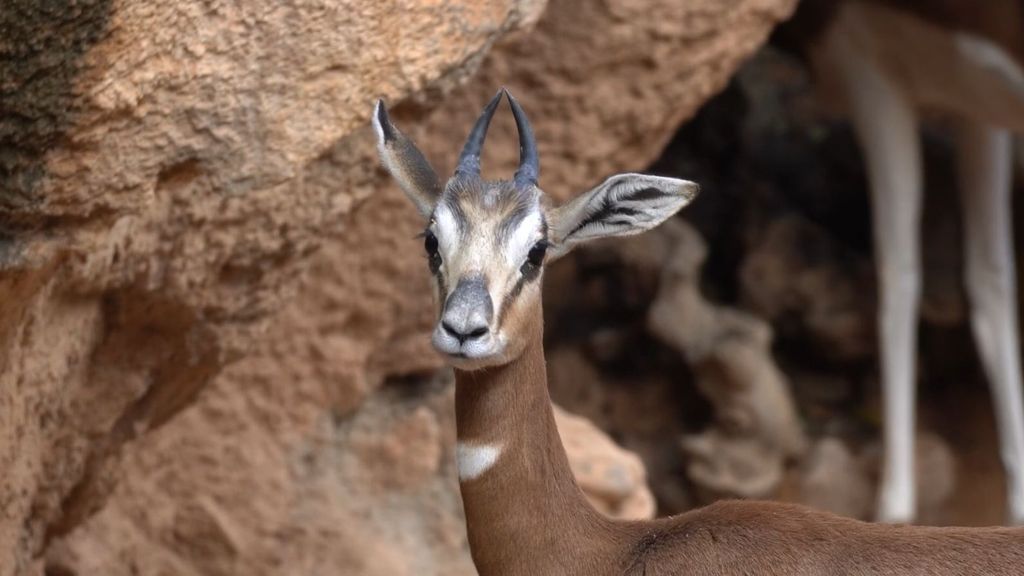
x,y
888,63
487,243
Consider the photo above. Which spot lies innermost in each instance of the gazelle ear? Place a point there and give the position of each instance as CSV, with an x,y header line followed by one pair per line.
x,y
406,163
622,205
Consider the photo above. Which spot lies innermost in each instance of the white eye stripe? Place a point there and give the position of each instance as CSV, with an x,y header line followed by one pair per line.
x,y
527,232
447,226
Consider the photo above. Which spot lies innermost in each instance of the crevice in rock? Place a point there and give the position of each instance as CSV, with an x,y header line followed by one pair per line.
x,y
161,353
178,175
58,570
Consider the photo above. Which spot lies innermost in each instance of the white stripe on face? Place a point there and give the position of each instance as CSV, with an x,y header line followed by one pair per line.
x,y
447,226
523,237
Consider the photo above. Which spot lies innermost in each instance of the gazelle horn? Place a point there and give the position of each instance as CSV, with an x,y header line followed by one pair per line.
x,y
469,160
529,161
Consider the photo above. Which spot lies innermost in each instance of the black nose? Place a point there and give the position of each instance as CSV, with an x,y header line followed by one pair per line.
x,y
471,333
468,310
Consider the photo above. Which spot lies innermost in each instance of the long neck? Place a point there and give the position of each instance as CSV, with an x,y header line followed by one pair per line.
x,y
518,490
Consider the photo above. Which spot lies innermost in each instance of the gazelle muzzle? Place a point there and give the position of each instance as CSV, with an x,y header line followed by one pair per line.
x,y
465,325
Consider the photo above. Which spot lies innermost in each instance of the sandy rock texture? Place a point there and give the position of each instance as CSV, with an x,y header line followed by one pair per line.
x,y
186,184
155,207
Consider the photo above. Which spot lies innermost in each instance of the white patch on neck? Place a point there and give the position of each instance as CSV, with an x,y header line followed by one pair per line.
x,y
473,460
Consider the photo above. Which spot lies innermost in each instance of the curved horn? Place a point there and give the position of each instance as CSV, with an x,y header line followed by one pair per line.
x,y
469,160
529,161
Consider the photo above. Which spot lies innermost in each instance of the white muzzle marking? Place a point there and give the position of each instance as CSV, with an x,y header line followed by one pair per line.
x,y
473,461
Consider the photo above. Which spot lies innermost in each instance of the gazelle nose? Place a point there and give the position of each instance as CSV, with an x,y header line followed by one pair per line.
x,y
463,336
468,310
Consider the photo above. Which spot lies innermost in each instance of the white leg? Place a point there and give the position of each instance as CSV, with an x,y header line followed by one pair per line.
x,y
985,184
887,130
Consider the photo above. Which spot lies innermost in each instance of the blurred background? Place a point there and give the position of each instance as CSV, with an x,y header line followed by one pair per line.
x,y
214,312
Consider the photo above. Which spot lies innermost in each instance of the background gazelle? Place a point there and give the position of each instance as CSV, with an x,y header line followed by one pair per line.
x,y
887,63
487,243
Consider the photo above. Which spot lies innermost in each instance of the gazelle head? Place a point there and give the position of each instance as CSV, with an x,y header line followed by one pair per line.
x,y
487,242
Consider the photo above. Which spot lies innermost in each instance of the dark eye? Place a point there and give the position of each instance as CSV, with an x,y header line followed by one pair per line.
x,y
535,258
430,243
536,255
433,256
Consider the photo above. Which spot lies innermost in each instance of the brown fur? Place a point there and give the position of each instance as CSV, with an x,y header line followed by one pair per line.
x,y
526,515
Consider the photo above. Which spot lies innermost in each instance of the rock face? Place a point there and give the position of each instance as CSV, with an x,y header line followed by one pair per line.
x,y
185,184
159,198
756,430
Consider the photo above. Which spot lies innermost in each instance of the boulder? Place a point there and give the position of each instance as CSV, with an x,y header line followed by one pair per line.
x,y
613,479
833,478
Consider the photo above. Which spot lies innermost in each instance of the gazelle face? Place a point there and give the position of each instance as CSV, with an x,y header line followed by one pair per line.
x,y
487,241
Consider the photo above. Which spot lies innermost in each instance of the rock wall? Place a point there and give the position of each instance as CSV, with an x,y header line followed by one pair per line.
x,y
186,184
155,209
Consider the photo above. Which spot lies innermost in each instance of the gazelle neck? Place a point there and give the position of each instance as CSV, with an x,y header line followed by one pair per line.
x,y
519,493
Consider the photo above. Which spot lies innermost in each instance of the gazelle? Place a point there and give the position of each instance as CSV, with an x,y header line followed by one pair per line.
x,y
487,243
886,62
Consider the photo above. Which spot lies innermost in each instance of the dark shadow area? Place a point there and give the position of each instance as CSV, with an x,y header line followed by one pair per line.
x,y
42,48
785,212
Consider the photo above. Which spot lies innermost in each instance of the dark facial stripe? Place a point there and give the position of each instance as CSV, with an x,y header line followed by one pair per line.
x,y
506,302
442,293
529,276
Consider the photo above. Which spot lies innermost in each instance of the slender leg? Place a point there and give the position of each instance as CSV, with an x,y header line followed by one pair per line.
x,y
886,127
985,184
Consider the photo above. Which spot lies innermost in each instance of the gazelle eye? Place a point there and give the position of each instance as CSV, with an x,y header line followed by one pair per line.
x,y
433,256
430,243
534,258
536,255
